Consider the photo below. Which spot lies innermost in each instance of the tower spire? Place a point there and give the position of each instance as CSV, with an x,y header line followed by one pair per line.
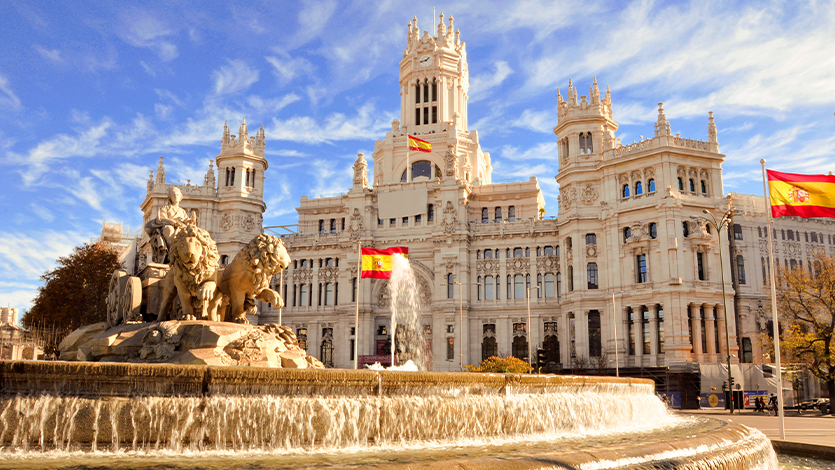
x,y
711,129
662,126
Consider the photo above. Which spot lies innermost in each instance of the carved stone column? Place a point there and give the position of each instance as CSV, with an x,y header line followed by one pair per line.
x,y
639,332
710,331
653,334
720,324
696,322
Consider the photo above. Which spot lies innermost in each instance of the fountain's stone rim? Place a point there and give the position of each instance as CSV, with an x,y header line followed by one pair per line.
x,y
124,379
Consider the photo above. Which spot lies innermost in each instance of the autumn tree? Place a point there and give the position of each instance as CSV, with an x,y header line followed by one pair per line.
x,y
495,364
75,292
806,302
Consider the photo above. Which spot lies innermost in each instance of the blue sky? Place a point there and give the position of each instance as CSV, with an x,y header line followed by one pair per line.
x,y
93,93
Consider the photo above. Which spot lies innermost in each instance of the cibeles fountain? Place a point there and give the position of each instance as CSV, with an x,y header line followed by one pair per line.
x,y
198,387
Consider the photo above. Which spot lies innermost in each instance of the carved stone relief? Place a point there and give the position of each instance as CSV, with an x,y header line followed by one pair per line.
x,y
588,194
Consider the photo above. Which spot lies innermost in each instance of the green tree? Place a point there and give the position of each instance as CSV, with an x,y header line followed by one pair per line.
x,y
806,303
74,293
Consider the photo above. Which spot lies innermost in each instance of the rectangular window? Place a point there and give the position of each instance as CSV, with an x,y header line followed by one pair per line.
x,y
430,213
417,116
329,293
646,332
405,221
747,351
392,222
351,353
450,286
700,266
450,349
425,92
426,115
353,289
434,91
417,219
740,269
518,287
549,285
592,275
488,288
434,114
642,268
595,344
631,333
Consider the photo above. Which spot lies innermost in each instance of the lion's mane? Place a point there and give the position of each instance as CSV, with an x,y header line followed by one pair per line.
x,y
261,255
206,267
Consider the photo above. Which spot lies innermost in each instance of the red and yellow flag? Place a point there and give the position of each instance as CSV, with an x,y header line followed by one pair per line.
x,y
419,145
377,264
801,195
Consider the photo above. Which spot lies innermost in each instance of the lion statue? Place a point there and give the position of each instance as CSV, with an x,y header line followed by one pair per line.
x,y
192,275
247,278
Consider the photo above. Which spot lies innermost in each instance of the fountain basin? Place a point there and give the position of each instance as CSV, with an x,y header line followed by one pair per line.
x,y
374,417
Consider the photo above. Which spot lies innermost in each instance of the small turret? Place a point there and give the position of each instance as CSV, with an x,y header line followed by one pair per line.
x,y
160,172
150,180
662,126
209,179
225,139
594,93
441,26
711,129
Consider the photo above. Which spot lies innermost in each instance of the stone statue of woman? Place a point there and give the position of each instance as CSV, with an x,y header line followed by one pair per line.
x,y
170,219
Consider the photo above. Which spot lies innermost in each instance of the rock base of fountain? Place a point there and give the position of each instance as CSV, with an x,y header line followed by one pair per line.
x,y
188,342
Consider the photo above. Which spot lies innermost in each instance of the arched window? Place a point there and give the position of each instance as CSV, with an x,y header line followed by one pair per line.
x,y
450,286
595,342
704,187
430,213
511,213
417,94
539,286
333,225
626,190
329,293
420,168
591,239
582,143
498,217
479,288
571,279
224,260
680,184
321,225
639,188
653,230
685,229
651,185
591,269
485,214
326,348
488,254
692,186
589,146
520,347
489,346
559,284
304,295
627,232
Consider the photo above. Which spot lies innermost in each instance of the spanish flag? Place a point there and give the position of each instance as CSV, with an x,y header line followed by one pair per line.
x,y
377,264
419,145
801,195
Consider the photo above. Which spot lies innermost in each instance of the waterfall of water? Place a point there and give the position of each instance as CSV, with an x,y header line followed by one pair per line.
x,y
407,339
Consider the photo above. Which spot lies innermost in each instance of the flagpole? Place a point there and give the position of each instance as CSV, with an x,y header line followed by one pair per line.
x,y
775,319
357,313
408,164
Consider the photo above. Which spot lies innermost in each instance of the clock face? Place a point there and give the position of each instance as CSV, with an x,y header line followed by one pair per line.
x,y
425,60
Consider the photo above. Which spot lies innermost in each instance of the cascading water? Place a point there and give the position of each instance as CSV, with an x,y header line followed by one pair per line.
x,y
409,343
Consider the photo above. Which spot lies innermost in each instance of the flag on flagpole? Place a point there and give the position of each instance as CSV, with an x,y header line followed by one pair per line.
x,y
419,145
376,264
801,195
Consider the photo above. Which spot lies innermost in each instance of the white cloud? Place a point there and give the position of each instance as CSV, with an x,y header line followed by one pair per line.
x,y
49,54
537,121
367,123
143,30
286,68
480,85
233,77
544,150
8,99
313,18
30,255
162,111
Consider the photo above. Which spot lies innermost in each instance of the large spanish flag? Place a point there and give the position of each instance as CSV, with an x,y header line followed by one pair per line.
x,y
377,264
801,195
419,145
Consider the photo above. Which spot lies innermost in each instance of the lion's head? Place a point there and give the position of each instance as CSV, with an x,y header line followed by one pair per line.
x,y
265,255
193,256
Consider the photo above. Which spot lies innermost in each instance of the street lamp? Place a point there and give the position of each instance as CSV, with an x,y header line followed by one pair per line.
x,y
530,331
615,330
726,217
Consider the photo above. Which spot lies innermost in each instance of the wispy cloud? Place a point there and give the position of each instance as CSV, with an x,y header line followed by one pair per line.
x,y
30,255
366,123
7,96
234,77
544,150
49,54
144,30
537,121
286,68
480,85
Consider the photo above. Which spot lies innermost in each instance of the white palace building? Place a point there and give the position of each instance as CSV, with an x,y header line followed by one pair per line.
x,y
628,269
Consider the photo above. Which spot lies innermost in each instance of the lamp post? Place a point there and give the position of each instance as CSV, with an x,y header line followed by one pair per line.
x,y
528,327
461,325
615,331
726,217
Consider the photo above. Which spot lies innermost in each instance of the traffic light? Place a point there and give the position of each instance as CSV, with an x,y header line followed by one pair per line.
x,y
731,383
541,358
724,386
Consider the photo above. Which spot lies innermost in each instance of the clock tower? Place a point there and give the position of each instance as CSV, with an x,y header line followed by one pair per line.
x,y
434,79
434,84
